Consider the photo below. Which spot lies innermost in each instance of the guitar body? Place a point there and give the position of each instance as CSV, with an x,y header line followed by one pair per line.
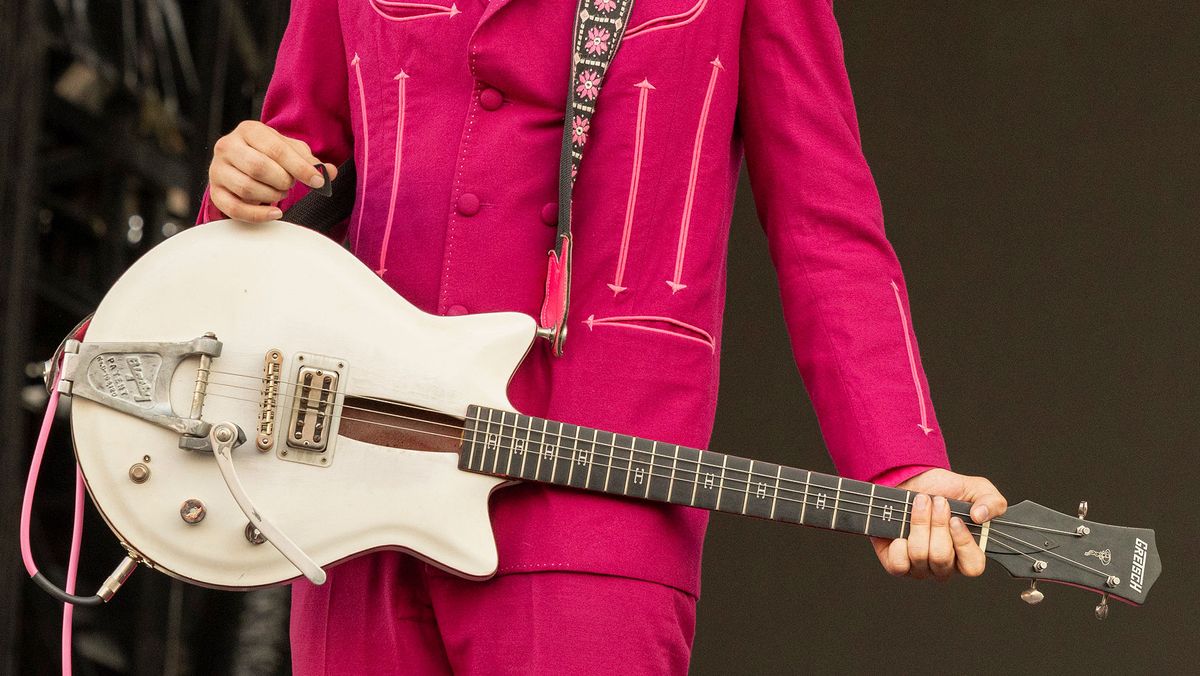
x,y
280,287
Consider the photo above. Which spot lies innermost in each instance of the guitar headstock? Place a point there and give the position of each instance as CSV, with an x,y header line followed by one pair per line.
x,y
1042,545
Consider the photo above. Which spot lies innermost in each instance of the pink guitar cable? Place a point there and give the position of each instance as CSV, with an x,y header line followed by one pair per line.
x,y
67,596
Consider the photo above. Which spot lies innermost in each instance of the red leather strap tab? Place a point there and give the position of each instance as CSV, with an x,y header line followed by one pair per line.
x,y
553,317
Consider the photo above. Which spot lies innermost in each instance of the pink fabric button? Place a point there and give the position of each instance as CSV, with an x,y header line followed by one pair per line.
x,y
468,204
490,98
456,310
550,213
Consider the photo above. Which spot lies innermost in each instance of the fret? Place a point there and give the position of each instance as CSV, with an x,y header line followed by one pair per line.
x,y
658,485
545,454
561,469
641,464
775,495
870,507
886,519
749,487
501,446
735,480
623,451
521,443
473,422
572,456
687,465
852,505
761,498
721,485
820,500
581,460
511,438
608,442
790,505
491,443
707,486
587,481
837,499
907,502
804,498
671,481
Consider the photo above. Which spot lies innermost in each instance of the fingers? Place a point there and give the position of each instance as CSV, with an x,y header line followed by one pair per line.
x,y
293,155
987,502
918,537
233,206
893,555
244,186
941,546
969,558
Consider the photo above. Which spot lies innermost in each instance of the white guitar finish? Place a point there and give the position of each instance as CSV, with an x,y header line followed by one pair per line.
x,y
277,285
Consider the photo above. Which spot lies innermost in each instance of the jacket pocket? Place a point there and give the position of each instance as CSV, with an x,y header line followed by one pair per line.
x,y
394,10
662,16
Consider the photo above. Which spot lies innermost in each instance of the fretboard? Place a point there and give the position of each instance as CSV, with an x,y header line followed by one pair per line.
x,y
507,444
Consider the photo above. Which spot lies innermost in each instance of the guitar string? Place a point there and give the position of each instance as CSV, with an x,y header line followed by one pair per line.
x,y
747,482
459,431
803,501
650,462
562,436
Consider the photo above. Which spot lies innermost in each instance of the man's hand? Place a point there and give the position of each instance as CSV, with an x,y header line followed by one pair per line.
x,y
938,543
253,166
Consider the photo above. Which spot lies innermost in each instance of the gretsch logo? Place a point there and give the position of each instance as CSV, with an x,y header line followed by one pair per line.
x,y
125,376
1140,548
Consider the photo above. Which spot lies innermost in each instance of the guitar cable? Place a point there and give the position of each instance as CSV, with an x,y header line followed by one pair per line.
x,y
67,596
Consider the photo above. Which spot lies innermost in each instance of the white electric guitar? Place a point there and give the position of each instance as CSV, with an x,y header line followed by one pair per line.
x,y
251,403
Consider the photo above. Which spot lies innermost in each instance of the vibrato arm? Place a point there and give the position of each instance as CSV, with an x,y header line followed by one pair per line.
x,y
224,437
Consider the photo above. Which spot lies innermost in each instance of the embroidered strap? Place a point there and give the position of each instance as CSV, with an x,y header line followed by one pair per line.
x,y
599,26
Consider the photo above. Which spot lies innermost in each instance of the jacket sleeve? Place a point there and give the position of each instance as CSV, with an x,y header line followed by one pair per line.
x,y
308,97
844,298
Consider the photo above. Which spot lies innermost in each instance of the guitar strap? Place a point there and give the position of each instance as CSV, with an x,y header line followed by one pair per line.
x,y
598,29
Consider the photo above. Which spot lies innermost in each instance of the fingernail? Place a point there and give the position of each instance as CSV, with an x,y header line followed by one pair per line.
x,y
275,214
939,503
979,513
921,501
956,523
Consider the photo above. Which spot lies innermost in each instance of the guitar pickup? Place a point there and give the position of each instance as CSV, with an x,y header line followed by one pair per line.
x,y
315,396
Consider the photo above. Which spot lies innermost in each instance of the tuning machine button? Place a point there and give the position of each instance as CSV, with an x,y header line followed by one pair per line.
x,y
1032,596
1102,609
1082,508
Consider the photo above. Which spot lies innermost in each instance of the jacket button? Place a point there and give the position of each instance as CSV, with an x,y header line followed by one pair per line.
x,y
456,310
550,213
490,98
468,204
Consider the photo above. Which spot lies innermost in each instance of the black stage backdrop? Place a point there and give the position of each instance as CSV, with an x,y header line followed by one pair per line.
x,y
1037,163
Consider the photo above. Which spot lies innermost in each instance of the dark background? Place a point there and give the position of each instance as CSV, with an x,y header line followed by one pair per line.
x,y
1037,163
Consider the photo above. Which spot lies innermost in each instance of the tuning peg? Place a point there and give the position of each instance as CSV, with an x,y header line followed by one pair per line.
x,y
1032,596
1082,508
1102,609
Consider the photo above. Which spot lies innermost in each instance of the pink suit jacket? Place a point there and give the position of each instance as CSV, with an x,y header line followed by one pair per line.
x,y
454,114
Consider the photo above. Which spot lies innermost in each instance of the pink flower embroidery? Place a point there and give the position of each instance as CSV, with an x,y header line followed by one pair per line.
x,y
597,40
589,85
605,5
579,130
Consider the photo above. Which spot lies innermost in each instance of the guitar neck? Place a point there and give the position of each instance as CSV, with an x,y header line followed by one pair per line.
x,y
510,445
